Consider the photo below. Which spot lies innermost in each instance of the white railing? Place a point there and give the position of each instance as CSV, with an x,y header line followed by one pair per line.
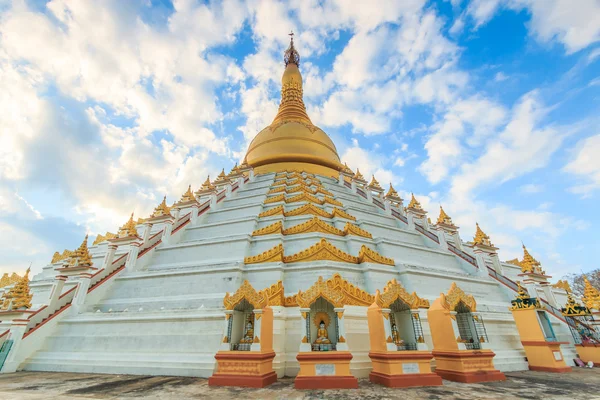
x,y
45,313
106,272
181,221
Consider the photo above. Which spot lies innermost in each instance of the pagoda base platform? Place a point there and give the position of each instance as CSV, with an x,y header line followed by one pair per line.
x,y
403,369
467,366
545,356
589,352
244,369
325,370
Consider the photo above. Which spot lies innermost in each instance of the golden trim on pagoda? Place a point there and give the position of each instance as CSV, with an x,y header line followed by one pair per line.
x,y
234,173
187,197
322,250
414,203
274,254
455,296
221,178
591,295
7,280
351,229
19,296
162,210
392,195
358,177
564,285
336,290
529,264
481,238
374,185
276,227
207,187
129,229
259,300
444,219
57,257
371,256
523,301
307,209
101,238
574,309
394,291
314,224
81,257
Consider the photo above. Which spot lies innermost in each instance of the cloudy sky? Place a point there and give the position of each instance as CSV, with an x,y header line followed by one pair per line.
x,y
490,108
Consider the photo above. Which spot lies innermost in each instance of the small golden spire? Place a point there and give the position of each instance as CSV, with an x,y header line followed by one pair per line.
x,y
59,257
207,185
358,176
591,295
444,218
291,55
414,203
481,238
392,193
374,184
188,195
563,285
81,256
101,238
347,169
129,229
19,296
162,209
530,264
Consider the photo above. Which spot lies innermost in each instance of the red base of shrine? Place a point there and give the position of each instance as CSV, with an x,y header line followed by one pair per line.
x,y
405,380
550,369
471,377
326,382
252,381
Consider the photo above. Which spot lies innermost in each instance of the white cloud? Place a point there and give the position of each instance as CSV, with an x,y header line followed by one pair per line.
x,y
370,163
531,188
586,165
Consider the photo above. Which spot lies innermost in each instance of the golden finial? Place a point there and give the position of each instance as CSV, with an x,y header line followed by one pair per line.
x,y
444,218
162,209
564,285
358,176
530,264
481,238
207,185
591,295
291,55
374,184
392,193
188,195
19,296
414,203
347,169
129,229
81,256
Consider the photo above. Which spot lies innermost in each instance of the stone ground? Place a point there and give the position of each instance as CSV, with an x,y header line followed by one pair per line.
x,y
579,384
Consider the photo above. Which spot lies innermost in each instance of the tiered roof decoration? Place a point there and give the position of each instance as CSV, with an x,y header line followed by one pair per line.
x,y
162,209
207,185
358,176
7,280
562,285
481,238
444,218
19,296
414,203
57,257
221,179
188,195
530,264
128,229
81,256
101,238
591,295
374,185
392,195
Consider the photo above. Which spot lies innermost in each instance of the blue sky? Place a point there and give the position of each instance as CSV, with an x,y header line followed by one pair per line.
x,y
489,108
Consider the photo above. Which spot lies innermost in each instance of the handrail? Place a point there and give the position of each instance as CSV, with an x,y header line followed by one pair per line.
x,y
465,256
181,222
38,319
428,234
5,333
399,216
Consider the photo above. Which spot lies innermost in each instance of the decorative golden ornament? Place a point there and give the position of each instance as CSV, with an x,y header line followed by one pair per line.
x,y
274,228
330,200
162,209
347,170
481,238
337,291
129,229
394,291
57,257
304,197
574,309
444,218
529,264
188,196
389,339
246,292
18,297
81,256
368,255
207,186
221,178
102,238
340,314
358,176
351,229
374,185
304,314
9,280
278,189
564,285
225,339
523,301
315,224
272,211
304,340
274,293
256,339
414,204
308,209
342,340
341,214
455,296
322,250
420,339
321,316
272,255
392,195
275,199
591,295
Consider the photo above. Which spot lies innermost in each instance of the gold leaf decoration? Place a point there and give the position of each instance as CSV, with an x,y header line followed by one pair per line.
x,y
246,292
368,255
272,255
337,291
276,227
313,225
394,291
272,211
275,199
455,296
341,214
322,250
274,294
308,209
351,229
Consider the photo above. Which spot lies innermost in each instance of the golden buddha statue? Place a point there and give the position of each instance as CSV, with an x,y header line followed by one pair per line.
x,y
249,336
396,336
322,335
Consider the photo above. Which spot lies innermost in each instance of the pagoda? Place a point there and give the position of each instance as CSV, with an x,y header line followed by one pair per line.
x,y
292,265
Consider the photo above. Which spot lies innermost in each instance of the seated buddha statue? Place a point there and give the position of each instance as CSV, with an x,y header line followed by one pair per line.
x,y
396,336
322,335
249,336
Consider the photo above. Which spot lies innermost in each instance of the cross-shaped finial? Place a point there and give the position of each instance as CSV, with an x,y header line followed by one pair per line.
x,y
291,34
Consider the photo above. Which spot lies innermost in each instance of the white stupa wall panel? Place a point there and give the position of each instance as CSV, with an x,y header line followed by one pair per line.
x,y
420,257
242,200
222,229
221,215
230,249
396,234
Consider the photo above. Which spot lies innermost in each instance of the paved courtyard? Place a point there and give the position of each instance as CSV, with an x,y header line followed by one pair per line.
x,y
579,384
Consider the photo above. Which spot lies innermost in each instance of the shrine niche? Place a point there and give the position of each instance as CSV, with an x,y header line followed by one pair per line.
x,y
396,339
584,329
246,354
459,338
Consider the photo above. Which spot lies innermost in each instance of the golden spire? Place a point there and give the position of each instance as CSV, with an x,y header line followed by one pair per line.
x,y
481,238
19,296
9,280
347,169
162,209
207,185
563,285
374,184
591,295
358,176
81,256
530,264
101,238
414,203
392,193
129,229
444,218
188,195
